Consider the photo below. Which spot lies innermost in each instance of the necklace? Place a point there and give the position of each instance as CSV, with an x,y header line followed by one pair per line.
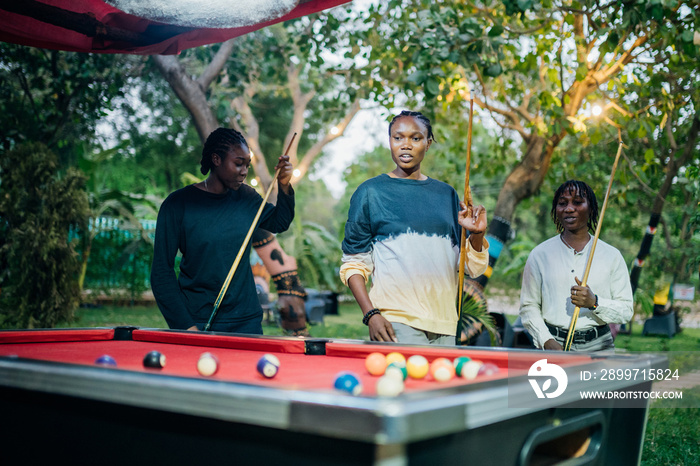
x,y
206,187
570,246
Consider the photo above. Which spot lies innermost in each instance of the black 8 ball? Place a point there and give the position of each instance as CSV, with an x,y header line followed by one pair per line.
x,y
154,359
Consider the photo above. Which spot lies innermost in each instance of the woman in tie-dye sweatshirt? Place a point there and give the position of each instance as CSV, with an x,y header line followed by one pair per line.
x,y
403,231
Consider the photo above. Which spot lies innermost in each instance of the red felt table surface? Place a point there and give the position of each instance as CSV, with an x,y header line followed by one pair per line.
x,y
238,357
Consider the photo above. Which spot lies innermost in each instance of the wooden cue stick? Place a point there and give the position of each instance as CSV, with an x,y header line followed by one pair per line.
x,y
229,277
574,318
468,201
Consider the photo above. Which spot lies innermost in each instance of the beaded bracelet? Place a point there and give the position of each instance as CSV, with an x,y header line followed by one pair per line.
x,y
595,306
365,319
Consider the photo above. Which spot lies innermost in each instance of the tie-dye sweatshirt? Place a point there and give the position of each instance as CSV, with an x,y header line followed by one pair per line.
x,y
405,235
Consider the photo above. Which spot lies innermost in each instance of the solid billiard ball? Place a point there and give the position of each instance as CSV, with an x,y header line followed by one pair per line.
x,y
268,366
207,364
397,369
348,382
417,366
154,359
488,368
395,357
389,386
470,369
106,360
442,369
375,363
459,364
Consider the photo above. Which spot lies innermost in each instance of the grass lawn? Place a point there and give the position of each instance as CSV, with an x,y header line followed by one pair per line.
x,y
672,434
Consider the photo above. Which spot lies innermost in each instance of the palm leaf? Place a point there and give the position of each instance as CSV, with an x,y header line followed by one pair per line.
x,y
474,312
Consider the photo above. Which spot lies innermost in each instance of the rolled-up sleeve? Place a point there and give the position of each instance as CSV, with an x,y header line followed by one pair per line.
x,y
477,261
618,308
356,264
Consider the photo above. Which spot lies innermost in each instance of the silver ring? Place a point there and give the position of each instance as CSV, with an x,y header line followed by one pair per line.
x,y
574,292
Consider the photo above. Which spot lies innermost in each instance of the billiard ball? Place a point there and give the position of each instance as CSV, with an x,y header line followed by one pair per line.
x,y
375,363
395,357
268,366
207,364
470,369
389,386
154,359
459,364
488,368
442,369
417,366
397,369
106,360
348,382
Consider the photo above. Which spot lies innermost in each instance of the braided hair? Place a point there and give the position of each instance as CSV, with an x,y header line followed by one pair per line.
x,y
418,116
220,142
583,190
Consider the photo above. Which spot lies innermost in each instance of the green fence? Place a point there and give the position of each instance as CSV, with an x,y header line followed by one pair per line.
x,y
120,258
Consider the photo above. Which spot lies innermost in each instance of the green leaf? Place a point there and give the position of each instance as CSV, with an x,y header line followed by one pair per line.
x,y
687,36
493,70
432,86
649,153
496,30
418,77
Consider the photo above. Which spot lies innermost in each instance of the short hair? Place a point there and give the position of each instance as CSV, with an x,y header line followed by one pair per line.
x,y
220,142
418,116
583,190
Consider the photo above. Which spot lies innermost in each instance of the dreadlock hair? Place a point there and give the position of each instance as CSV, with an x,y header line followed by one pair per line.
x,y
583,190
418,116
220,142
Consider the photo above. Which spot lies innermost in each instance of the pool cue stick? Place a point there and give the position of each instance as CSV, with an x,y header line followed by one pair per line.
x,y
227,282
468,202
574,318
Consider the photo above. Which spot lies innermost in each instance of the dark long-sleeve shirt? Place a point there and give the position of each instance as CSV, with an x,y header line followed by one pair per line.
x,y
209,229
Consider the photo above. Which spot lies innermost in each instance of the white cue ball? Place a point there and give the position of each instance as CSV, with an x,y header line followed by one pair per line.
x,y
389,386
470,369
207,364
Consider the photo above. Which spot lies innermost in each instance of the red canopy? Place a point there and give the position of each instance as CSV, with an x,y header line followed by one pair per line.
x,y
95,26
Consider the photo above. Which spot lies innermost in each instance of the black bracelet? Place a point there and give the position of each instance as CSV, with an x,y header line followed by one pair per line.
x,y
365,319
595,306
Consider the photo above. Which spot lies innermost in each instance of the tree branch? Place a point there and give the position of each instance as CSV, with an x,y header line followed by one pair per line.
x,y
510,115
216,65
316,149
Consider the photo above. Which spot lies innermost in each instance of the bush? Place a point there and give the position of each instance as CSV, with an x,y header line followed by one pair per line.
x,y
38,264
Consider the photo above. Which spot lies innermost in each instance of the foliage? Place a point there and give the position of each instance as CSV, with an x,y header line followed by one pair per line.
x,y
120,262
38,265
56,97
317,253
128,209
151,140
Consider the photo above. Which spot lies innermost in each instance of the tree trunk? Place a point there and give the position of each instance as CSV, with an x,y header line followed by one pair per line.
x,y
190,93
672,168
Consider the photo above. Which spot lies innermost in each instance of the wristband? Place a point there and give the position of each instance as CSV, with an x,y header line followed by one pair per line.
x,y
288,283
595,306
365,319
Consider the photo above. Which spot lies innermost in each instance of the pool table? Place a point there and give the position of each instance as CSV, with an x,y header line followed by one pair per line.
x,y
57,403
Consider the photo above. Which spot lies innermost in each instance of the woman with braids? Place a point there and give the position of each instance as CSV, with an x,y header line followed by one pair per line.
x,y
207,222
551,280
403,231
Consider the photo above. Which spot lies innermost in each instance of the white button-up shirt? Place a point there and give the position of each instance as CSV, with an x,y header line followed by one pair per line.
x,y
547,280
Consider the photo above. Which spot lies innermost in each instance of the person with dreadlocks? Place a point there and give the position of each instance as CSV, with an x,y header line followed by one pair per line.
x,y
207,223
551,287
403,231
